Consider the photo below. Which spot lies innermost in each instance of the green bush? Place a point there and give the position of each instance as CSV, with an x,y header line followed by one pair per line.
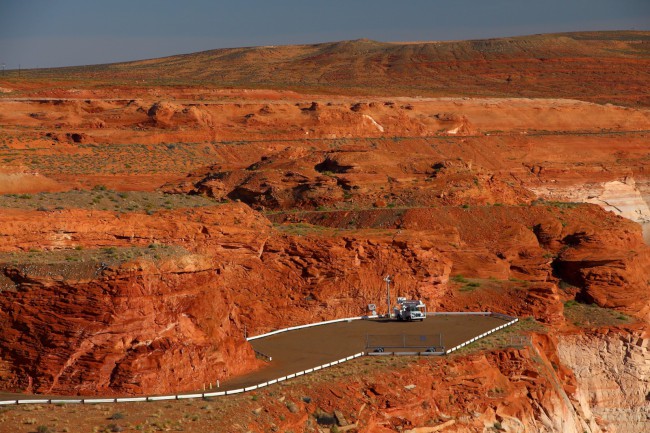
x,y
470,286
459,279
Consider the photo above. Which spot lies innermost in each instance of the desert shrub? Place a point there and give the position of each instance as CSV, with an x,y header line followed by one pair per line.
x,y
109,250
566,286
470,286
459,279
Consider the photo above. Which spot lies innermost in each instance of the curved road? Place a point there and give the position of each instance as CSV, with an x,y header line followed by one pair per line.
x,y
302,349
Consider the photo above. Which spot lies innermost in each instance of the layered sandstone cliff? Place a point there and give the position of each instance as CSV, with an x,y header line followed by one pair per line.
x,y
612,371
541,385
117,320
173,319
143,327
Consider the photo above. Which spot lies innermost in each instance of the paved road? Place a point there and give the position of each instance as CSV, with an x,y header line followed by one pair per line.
x,y
306,348
302,349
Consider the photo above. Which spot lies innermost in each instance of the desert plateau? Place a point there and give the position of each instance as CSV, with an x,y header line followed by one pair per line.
x,y
155,213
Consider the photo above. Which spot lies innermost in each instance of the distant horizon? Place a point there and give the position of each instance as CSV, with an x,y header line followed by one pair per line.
x,y
327,42
44,34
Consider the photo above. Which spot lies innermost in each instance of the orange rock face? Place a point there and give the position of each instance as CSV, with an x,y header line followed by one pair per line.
x,y
126,332
177,323
525,388
139,326
469,203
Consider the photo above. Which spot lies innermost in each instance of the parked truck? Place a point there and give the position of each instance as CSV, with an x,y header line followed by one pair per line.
x,y
409,310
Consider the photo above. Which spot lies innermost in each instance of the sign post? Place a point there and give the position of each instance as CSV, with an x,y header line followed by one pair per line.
x,y
388,280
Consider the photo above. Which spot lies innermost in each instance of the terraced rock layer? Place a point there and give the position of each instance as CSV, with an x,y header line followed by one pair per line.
x,y
456,167
175,322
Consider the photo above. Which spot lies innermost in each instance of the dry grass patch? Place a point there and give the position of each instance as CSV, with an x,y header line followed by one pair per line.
x,y
593,316
101,198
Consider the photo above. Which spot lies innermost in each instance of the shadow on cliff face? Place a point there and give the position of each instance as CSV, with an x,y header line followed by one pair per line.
x,y
353,177
151,327
571,276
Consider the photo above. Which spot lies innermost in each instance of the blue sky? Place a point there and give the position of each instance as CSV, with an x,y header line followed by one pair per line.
x,y
49,33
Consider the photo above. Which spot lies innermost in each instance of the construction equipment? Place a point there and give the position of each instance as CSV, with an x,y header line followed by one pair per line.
x,y
408,310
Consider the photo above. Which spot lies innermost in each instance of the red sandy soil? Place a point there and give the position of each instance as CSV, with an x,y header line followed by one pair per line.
x,y
594,66
319,191
139,145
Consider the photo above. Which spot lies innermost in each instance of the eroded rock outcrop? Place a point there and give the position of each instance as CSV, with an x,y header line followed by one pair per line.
x,y
142,327
612,371
164,114
622,197
512,389
307,179
591,383
83,326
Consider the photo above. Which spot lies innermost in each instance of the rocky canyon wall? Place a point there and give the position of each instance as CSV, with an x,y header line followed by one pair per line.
x,y
142,324
624,197
612,370
141,328
534,387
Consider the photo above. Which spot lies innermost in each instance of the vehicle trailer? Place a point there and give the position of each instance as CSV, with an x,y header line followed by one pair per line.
x,y
409,310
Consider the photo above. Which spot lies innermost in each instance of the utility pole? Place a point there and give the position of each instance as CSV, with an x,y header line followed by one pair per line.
x,y
388,280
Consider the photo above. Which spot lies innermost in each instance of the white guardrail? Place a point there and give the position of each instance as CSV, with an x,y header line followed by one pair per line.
x,y
309,325
461,313
261,385
512,321
181,396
